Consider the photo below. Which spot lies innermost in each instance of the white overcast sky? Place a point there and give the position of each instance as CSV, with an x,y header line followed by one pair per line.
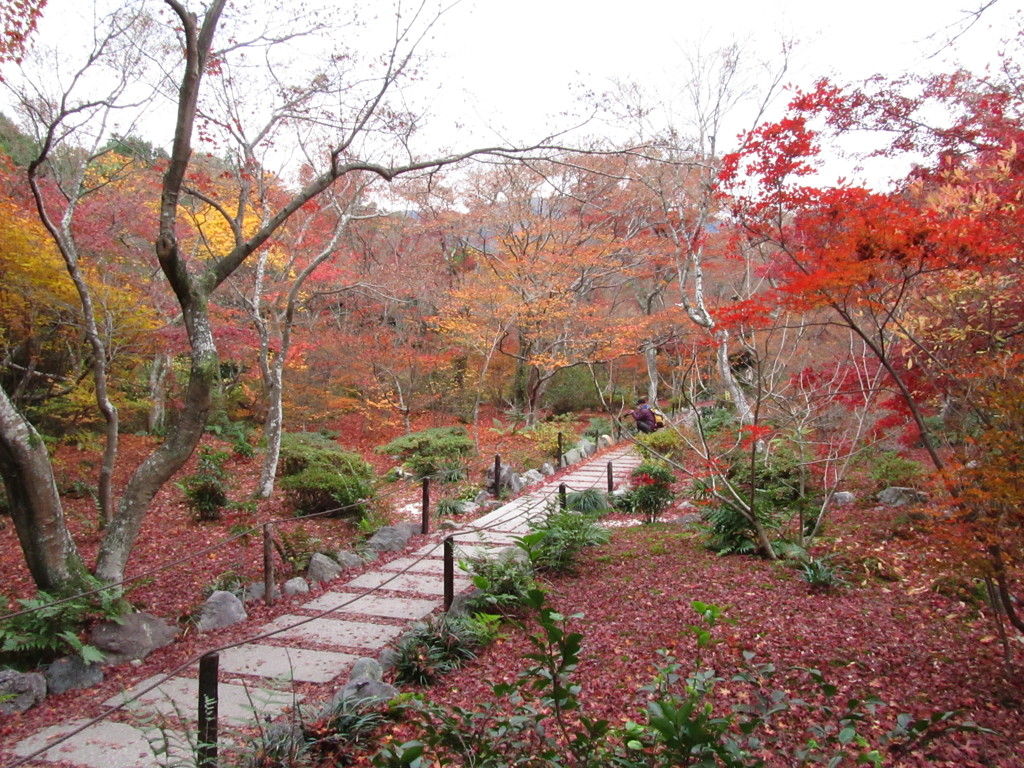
x,y
514,62
507,68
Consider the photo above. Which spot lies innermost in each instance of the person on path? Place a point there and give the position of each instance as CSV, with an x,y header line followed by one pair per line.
x,y
644,416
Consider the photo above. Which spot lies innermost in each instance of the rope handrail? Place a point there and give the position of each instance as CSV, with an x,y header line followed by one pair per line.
x,y
157,569
136,696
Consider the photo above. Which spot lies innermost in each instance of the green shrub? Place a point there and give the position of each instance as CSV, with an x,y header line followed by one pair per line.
x,y
340,734
592,501
775,477
449,507
660,445
822,574
572,390
437,646
651,491
238,433
600,425
713,418
544,436
891,469
50,627
229,581
557,540
296,547
504,582
320,476
317,490
206,492
729,531
440,451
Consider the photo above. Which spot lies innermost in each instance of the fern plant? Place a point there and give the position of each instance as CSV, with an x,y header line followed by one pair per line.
x,y
49,628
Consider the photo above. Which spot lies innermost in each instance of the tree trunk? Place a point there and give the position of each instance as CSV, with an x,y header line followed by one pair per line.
x,y
273,426
739,399
36,510
651,359
158,392
181,441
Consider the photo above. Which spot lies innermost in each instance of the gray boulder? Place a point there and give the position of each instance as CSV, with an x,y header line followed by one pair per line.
x,y
505,478
322,569
411,527
390,538
516,483
843,498
896,496
221,609
570,457
586,448
605,441
366,667
482,498
348,559
137,636
71,673
532,476
364,690
547,469
20,691
296,586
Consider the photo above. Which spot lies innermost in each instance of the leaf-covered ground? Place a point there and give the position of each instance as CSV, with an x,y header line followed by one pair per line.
x,y
888,634
904,629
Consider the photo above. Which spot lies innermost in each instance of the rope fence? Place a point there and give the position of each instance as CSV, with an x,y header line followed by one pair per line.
x,y
447,544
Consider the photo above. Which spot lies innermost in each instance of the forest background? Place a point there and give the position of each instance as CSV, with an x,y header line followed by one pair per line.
x,y
798,331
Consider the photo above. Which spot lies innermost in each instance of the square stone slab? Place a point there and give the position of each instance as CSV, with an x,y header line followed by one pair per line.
x,y
102,745
417,565
347,634
406,582
180,696
409,608
278,663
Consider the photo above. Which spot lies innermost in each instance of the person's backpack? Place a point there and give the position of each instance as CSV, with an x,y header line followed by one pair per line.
x,y
659,418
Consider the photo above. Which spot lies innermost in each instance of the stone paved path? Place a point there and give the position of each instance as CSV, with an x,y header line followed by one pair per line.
x,y
316,646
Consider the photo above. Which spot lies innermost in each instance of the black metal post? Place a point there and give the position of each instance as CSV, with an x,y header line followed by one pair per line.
x,y
207,746
611,484
449,572
560,449
425,527
561,496
497,475
268,565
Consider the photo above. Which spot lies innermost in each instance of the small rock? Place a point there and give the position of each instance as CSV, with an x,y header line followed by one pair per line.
x,y
365,690
296,586
322,569
368,668
134,637
20,691
71,673
221,609
348,559
896,496
532,476
390,538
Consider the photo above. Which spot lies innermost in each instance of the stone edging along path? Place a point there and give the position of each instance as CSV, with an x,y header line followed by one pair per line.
x,y
342,625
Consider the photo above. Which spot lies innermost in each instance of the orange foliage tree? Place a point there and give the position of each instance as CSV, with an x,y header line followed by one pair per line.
x,y
927,276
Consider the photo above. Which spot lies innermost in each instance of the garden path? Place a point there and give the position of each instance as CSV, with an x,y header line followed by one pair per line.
x,y
317,644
